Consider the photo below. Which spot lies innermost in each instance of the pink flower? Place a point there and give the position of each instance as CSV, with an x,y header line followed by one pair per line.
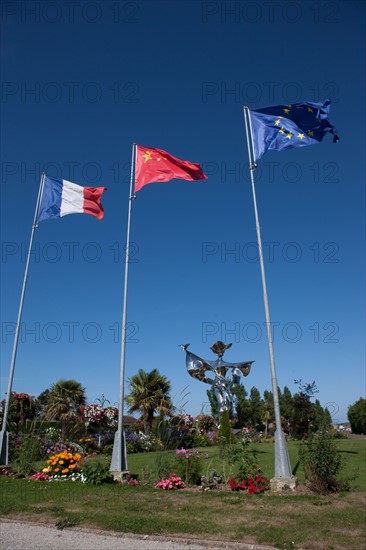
x,y
173,482
40,476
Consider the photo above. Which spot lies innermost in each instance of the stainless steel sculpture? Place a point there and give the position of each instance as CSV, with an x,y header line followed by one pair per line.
x,y
198,367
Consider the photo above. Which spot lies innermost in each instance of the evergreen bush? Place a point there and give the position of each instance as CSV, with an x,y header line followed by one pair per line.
x,y
225,434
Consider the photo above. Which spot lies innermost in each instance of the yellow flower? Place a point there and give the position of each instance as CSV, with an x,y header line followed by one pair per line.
x,y
61,461
45,470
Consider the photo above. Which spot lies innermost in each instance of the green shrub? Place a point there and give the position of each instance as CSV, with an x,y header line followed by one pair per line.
x,y
188,466
339,435
131,448
322,464
108,449
96,473
163,464
26,455
242,455
201,440
225,434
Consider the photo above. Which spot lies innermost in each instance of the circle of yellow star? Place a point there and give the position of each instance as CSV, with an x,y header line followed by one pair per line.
x,y
147,156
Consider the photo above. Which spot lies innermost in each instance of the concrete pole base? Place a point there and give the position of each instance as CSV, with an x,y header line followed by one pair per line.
x,y
283,485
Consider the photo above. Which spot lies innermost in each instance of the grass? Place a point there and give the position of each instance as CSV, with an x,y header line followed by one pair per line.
x,y
353,452
301,521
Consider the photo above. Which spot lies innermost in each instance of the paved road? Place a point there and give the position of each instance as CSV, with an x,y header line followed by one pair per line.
x,y
16,535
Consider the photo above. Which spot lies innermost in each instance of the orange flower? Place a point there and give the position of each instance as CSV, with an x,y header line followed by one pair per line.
x,y
65,471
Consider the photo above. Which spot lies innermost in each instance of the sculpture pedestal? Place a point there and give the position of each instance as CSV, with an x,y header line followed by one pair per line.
x,y
283,485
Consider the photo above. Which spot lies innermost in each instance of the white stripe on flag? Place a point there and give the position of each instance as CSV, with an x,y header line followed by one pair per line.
x,y
72,199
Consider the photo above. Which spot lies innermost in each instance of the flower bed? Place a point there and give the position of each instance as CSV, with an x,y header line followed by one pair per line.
x,y
63,464
252,486
173,482
95,415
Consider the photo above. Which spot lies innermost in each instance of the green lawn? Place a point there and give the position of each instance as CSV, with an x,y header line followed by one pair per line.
x,y
353,452
300,521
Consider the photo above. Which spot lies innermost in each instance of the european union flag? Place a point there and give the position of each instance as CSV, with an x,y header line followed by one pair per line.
x,y
285,126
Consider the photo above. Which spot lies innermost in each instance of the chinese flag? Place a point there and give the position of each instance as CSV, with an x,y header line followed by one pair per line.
x,y
157,165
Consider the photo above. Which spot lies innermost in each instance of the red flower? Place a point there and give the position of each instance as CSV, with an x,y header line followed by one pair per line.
x,y
252,485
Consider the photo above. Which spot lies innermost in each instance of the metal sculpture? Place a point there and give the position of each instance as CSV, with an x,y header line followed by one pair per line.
x,y
198,367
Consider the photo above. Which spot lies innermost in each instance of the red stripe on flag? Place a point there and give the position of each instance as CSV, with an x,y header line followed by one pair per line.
x,y
92,201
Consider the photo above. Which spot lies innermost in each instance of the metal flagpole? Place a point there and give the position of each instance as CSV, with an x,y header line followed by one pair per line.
x,y
282,461
119,456
4,433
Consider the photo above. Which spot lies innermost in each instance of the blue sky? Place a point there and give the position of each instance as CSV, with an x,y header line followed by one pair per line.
x,y
79,85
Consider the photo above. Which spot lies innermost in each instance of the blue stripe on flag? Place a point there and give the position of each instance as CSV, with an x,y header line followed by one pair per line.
x,y
50,205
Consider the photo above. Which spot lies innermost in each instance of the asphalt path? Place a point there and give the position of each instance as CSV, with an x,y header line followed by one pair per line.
x,y
17,535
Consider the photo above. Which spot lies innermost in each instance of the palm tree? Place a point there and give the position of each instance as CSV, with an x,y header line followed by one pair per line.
x,y
267,416
149,393
64,402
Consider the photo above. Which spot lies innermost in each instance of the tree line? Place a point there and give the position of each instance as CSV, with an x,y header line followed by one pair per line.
x,y
299,414
149,394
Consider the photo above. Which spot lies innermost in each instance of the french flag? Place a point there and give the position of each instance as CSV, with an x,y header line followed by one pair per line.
x,y
61,197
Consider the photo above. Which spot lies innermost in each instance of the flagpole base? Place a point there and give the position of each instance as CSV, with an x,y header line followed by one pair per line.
x,y
119,466
283,481
121,477
282,460
4,448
